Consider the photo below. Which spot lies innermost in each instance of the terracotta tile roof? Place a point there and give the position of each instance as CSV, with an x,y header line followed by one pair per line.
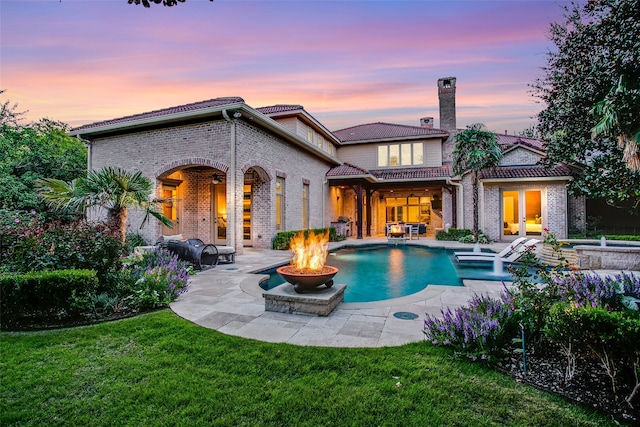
x,y
379,130
508,141
166,111
347,169
413,173
279,108
537,171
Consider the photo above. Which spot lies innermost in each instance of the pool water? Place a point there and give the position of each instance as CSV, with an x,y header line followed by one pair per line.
x,y
376,273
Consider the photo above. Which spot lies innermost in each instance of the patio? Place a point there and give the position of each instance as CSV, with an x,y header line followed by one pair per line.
x,y
228,299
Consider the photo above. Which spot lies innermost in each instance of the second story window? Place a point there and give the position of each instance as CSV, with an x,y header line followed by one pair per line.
x,y
408,154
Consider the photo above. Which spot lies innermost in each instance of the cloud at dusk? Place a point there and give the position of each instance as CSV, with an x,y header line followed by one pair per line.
x,y
347,63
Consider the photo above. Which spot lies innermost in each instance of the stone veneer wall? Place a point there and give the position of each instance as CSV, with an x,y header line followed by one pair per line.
x,y
577,212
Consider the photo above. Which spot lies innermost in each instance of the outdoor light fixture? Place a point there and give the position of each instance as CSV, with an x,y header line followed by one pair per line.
x,y
216,179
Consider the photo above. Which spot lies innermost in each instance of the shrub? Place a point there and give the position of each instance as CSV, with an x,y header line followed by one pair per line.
x,y
453,234
590,290
133,240
612,336
44,294
282,240
159,279
57,246
482,238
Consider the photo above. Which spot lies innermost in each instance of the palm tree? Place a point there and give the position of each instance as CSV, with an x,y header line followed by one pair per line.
x,y
112,188
619,116
475,149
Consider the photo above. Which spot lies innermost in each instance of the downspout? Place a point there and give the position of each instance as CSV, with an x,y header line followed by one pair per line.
x,y
231,202
459,203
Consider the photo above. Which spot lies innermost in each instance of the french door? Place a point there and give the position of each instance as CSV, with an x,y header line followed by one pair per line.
x,y
522,213
219,213
171,208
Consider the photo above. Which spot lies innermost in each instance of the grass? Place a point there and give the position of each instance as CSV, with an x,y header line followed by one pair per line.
x,y
158,369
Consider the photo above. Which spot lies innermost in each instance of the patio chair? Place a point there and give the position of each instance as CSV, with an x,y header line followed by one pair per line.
x,y
506,251
512,257
415,231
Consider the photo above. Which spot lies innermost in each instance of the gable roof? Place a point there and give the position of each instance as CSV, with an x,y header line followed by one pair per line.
x,y
509,141
216,102
280,108
385,131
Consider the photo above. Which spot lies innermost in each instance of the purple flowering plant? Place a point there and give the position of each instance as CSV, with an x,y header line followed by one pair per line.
x,y
159,276
477,330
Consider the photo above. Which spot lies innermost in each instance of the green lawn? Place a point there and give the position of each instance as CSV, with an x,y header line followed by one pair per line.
x,y
158,369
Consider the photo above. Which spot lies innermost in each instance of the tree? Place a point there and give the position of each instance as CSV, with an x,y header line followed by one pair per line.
x,y
111,188
475,149
591,89
32,151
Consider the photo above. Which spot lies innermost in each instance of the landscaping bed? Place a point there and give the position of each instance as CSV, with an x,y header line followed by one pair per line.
x,y
590,385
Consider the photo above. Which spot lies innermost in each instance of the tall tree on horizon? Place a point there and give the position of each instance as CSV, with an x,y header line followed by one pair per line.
x,y
591,88
475,149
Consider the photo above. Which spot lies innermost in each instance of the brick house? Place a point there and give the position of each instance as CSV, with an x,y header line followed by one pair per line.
x,y
236,175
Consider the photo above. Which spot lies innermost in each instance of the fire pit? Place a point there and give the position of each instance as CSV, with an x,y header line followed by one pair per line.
x,y
307,269
396,231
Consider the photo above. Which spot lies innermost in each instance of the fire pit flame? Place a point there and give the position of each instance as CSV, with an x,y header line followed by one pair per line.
x,y
310,253
396,231
307,269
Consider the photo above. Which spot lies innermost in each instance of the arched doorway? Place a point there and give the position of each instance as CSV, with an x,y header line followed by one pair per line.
x,y
257,228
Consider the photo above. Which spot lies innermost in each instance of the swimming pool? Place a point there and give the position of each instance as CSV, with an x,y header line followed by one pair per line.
x,y
376,273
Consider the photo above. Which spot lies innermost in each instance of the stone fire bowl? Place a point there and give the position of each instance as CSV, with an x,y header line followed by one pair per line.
x,y
302,281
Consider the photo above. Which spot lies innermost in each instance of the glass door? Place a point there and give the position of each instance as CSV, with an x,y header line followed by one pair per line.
x,y
246,215
219,213
521,213
171,208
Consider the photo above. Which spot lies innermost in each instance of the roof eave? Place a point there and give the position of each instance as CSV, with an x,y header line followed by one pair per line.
x,y
255,115
155,120
366,177
536,178
278,129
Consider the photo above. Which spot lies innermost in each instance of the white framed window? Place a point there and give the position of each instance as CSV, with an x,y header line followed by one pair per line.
x,y
305,206
279,204
407,154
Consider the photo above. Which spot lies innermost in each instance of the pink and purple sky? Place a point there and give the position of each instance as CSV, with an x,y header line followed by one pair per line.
x,y
346,62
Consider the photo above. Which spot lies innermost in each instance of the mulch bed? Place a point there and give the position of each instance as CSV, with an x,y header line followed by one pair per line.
x,y
590,386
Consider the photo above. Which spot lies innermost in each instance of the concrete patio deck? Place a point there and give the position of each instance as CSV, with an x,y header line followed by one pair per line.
x,y
227,298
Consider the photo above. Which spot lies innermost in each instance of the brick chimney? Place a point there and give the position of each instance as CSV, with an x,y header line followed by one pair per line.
x,y
426,122
447,98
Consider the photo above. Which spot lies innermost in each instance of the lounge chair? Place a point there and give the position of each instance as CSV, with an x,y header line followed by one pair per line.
x,y
512,257
512,246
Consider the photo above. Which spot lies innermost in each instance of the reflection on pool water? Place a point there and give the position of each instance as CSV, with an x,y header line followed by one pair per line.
x,y
375,273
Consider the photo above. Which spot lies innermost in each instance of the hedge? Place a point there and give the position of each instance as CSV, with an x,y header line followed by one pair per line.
x,y
43,293
454,234
282,239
